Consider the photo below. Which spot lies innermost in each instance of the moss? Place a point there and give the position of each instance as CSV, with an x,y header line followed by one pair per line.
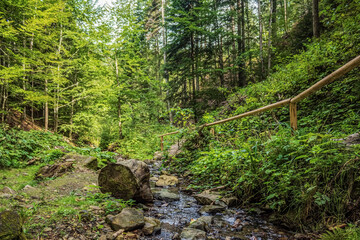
x,y
10,225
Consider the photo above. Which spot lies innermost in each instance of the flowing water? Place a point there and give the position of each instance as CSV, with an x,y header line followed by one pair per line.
x,y
233,223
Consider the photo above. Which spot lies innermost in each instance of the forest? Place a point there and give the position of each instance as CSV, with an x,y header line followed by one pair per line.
x,y
85,79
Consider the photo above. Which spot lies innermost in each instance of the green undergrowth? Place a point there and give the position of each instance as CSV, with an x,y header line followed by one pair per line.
x,y
142,141
18,147
306,177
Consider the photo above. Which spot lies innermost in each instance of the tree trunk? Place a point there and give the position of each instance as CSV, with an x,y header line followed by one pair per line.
x,y
241,77
32,80
270,36
57,98
285,15
316,21
119,98
46,113
233,45
71,117
166,75
24,78
260,41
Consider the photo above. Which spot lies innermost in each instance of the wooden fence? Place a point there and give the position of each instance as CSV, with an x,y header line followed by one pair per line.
x,y
292,102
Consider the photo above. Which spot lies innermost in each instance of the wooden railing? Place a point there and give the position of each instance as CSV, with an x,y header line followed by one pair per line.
x,y
292,102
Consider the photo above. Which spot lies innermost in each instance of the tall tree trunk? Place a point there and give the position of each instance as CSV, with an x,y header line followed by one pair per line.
x,y
71,117
241,77
166,75
271,31
316,21
285,15
32,80
46,113
260,41
248,35
233,44
57,98
119,98
24,77
221,62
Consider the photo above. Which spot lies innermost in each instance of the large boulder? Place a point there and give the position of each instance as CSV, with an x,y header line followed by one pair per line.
x,y
10,226
128,219
129,179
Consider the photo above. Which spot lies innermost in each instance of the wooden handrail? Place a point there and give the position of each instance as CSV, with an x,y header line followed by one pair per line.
x,y
291,101
328,79
253,112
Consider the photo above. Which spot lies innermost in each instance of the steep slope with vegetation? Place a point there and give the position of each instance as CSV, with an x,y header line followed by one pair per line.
x,y
307,176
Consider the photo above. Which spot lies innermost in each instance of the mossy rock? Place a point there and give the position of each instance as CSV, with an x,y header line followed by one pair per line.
x,y
10,226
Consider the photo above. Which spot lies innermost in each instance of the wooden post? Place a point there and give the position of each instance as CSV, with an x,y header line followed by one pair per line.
x,y
162,143
293,116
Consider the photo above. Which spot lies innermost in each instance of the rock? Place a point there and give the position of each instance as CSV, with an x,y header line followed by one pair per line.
x,y
28,189
8,190
154,179
166,195
152,226
102,237
127,180
128,219
206,198
212,209
47,229
192,234
202,223
149,161
230,201
127,236
5,195
165,180
91,163
175,149
158,156
10,226
55,170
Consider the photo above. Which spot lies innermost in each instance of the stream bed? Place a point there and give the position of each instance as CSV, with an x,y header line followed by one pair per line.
x,y
230,224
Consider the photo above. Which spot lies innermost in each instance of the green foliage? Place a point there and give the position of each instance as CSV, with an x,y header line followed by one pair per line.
x,y
18,147
349,233
110,204
309,176
142,141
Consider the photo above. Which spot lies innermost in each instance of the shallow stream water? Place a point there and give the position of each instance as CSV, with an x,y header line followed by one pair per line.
x,y
232,224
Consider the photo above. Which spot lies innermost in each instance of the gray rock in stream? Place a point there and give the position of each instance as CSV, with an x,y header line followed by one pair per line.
x,y
166,195
212,209
192,234
129,219
202,223
206,198
152,226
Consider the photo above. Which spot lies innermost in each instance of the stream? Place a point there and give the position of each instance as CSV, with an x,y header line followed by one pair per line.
x,y
231,224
